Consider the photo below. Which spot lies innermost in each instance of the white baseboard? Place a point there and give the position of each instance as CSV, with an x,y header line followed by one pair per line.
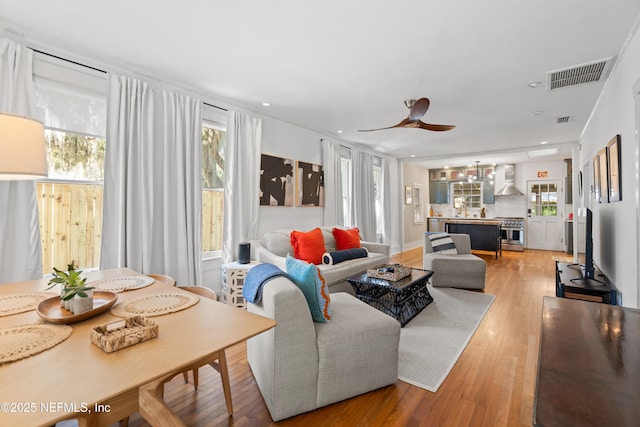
x,y
413,245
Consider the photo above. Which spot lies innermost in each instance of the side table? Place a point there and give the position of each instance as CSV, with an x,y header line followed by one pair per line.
x,y
233,275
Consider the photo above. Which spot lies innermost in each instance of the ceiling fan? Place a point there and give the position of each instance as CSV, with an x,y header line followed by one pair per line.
x,y
417,109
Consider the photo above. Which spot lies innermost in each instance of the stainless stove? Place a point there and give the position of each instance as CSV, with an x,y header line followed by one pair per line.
x,y
512,233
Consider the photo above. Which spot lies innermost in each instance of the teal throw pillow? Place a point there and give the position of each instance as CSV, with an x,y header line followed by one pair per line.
x,y
308,278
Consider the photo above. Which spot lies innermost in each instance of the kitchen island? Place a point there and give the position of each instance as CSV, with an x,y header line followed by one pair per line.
x,y
485,234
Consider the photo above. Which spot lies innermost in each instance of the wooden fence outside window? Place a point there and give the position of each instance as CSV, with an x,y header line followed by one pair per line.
x,y
71,223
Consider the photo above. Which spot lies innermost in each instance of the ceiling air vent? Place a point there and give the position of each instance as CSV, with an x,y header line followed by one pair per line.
x,y
564,119
579,74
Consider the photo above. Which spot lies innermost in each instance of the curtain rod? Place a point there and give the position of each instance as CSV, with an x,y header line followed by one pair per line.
x,y
68,60
101,71
215,106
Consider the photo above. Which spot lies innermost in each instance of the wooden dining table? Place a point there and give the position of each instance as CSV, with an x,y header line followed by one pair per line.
x,y
77,379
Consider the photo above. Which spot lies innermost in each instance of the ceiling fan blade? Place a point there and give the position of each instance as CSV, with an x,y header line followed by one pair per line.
x,y
402,124
419,109
437,128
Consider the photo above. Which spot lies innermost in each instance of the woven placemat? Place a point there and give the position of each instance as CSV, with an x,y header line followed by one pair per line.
x,y
155,304
121,284
19,303
18,342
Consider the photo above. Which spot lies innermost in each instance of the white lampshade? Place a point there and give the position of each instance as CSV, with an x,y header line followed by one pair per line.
x,y
23,154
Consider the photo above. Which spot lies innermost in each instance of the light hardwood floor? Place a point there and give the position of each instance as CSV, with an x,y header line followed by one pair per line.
x,y
492,384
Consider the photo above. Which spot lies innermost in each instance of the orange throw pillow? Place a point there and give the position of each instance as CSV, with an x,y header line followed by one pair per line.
x,y
308,246
346,239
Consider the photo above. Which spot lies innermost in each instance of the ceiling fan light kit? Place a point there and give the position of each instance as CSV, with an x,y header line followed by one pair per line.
x,y
417,109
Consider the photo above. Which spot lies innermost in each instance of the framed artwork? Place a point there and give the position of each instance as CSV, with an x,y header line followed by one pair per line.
x,y
407,195
276,181
615,180
604,176
596,179
310,185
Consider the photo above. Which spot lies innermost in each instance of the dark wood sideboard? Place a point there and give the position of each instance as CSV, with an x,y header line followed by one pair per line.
x,y
588,366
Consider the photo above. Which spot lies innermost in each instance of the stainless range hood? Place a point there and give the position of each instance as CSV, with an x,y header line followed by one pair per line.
x,y
509,188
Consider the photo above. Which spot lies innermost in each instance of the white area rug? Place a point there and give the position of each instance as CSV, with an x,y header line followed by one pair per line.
x,y
432,342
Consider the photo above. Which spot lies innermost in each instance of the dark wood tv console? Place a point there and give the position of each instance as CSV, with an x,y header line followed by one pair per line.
x,y
570,283
588,370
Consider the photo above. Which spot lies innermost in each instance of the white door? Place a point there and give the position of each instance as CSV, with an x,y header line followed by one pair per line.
x,y
545,205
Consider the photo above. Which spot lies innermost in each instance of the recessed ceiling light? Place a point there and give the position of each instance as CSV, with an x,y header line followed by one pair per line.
x,y
534,85
493,164
469,166
266,104
543,142
538,113
340,131
413,155
446,167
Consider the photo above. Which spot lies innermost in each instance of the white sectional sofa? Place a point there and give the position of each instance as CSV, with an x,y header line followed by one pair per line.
x,y
274,247
301,365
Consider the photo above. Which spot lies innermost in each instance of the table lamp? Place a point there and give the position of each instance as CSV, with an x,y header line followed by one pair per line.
x,y
23,155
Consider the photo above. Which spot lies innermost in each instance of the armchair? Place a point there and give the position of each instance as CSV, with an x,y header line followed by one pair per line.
x,y
461,270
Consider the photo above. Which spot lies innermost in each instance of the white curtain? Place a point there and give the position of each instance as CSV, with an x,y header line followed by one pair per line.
x,y
386,201
332,167
241,182
152,190
364,195
20,246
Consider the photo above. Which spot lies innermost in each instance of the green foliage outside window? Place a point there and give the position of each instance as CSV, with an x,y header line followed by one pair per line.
x,y
75,157
213,142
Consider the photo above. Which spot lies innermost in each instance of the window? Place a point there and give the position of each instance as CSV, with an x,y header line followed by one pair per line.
x,y
418,209
214,137
71,102
544,200
377,193
467,195
347,186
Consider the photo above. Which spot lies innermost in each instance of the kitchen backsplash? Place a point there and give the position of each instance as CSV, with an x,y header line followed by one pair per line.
x,y
503,206
508,206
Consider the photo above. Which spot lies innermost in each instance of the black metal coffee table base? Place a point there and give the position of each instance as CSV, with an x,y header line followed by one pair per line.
x,y
402,300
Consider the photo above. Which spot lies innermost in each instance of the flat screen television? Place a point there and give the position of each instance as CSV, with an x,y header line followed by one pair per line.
x,y
589,269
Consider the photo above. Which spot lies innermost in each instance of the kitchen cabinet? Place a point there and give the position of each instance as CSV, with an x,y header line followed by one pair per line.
x,y
488,198
568,185
439,192
568,190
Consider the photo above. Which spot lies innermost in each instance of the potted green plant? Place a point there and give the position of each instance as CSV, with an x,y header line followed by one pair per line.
x,y
75,295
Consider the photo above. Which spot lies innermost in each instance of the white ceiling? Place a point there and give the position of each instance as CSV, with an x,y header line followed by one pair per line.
x,y
348,65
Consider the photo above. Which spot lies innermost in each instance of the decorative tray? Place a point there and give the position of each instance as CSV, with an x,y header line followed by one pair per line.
x,y
392,273
123,333
51,311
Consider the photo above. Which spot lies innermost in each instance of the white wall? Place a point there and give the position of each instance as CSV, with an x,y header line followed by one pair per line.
x,y
292,142
414,233
615,228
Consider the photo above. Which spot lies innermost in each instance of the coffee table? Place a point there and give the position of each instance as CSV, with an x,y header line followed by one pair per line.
x,y
402,300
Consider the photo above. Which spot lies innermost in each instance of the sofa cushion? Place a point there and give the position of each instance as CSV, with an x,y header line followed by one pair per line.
x,y
278,242
346,239
336,257
340,272
308,246
442,243
357,351
315,289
